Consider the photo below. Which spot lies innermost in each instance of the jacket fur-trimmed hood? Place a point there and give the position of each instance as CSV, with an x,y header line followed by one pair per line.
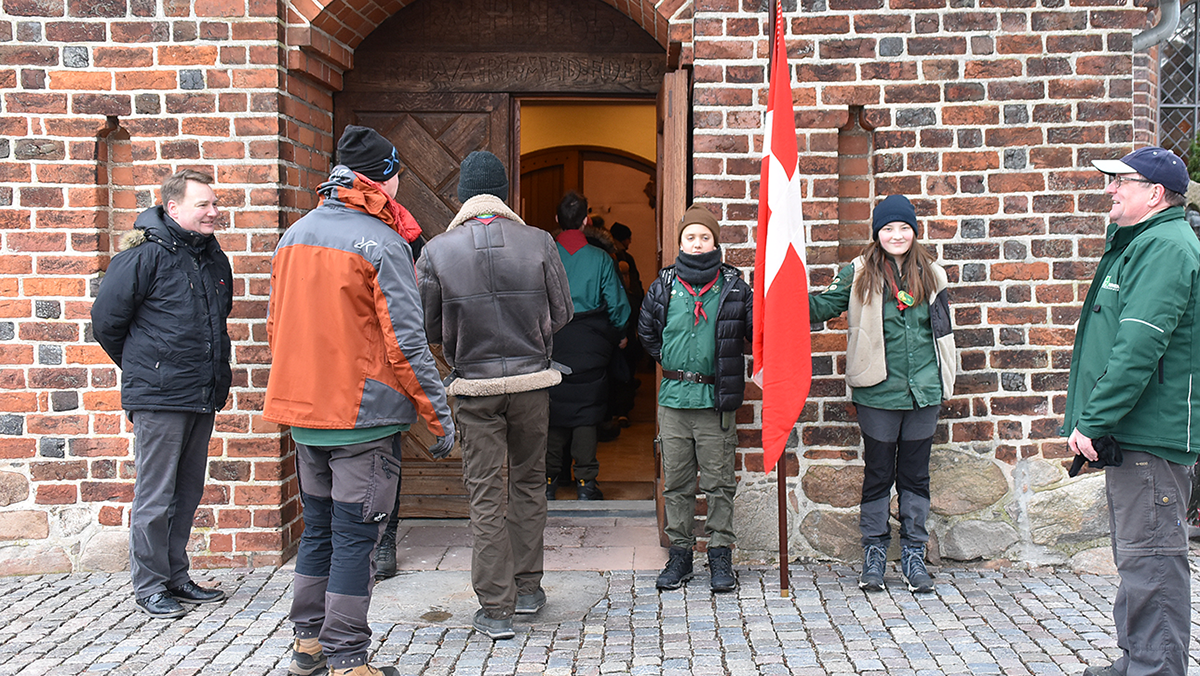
x,y
135,237
480,205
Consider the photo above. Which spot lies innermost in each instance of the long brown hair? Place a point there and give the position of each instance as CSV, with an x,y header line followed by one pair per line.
x,y
917,272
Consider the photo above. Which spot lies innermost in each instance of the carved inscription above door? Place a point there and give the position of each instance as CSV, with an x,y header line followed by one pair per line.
x,y
513,46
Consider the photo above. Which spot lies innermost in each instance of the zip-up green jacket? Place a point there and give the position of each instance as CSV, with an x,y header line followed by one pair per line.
x,y
1137,347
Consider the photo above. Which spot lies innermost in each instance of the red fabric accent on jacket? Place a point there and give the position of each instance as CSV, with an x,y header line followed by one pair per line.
x,y
369,197
572,240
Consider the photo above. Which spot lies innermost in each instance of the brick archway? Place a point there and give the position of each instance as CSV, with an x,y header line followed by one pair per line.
x,y
321,38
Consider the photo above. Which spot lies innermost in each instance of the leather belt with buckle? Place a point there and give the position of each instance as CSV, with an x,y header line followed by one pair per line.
x,y
689,377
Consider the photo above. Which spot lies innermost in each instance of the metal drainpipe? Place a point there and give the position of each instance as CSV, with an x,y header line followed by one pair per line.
x,y
1164,29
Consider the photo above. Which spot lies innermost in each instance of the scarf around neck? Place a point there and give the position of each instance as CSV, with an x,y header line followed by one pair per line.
x,y
368,196
698,269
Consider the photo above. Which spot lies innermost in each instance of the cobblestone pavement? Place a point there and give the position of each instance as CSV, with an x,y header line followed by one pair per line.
x,y
1007,621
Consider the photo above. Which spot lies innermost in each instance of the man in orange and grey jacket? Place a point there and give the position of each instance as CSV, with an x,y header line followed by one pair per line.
x,y
351,370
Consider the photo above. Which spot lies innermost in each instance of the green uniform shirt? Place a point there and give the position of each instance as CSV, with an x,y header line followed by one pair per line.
x,y
315,437
688,346
913,379
595,283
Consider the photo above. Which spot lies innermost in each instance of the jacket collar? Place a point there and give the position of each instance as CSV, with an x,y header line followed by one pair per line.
x,y
480,205
1119,238
162,229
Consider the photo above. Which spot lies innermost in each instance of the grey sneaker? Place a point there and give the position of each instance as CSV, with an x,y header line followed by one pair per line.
x,y
912,567
528,604
493,629
874,561
1101,671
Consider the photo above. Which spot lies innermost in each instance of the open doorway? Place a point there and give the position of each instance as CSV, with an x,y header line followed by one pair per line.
x,y
605,150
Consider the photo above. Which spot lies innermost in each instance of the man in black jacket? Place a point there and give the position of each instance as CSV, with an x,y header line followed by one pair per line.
x,y
160,315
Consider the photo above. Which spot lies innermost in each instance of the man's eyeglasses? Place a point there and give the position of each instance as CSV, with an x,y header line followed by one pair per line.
x,y
1119,180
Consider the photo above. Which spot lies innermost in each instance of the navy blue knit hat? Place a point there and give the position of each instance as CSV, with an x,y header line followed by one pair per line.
x,y
482,173
892,208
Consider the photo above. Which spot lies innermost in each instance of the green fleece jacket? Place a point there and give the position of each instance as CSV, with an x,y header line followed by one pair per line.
x,y
1137,346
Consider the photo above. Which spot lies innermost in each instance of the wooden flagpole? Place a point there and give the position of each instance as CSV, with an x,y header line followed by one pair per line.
x,y
781,464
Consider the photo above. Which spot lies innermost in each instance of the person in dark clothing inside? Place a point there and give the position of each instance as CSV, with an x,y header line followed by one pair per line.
x,y
586,345
160,315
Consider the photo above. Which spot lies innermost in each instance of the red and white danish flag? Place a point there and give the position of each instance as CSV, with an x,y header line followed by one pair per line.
x,y
782,345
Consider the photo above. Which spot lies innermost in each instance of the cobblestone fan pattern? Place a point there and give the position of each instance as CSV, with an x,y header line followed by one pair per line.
x,y
979,622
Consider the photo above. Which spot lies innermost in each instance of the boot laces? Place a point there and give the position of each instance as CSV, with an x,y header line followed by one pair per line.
x,y
912,560
875,558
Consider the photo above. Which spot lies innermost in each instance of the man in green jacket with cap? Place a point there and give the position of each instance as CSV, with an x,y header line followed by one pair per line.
x,y
1134,378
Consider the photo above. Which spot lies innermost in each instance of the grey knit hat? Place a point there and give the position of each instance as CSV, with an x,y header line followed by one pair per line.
x,y
482,173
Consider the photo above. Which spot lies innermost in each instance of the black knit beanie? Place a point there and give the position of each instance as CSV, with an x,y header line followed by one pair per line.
x,y
482,173
365,151
891,209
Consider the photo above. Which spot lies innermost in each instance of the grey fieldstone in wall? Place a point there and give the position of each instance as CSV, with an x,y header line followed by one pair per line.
x,y
974,539
107,551
834,534
963,482
1075,512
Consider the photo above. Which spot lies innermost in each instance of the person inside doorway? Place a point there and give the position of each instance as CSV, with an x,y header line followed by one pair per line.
x,y
586,346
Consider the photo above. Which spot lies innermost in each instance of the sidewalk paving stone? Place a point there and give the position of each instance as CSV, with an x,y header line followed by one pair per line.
x,y
1006,622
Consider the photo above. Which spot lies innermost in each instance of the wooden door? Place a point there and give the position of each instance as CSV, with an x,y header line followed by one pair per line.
x,y
674,128
432,133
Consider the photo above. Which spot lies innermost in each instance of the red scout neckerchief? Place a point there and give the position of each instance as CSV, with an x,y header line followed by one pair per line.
x,y
698,310
903,300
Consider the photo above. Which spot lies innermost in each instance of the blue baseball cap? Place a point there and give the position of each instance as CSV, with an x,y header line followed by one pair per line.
x,y
1156,164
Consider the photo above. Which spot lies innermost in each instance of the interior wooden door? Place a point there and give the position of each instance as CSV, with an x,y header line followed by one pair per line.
x,y
432,133
674,127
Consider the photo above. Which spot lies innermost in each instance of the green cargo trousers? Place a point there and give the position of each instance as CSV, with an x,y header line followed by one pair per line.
x,y
693,441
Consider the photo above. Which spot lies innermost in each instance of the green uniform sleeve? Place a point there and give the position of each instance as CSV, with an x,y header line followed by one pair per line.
x,y
834,300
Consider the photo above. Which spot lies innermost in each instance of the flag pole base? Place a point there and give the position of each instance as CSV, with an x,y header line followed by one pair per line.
x,y
784,593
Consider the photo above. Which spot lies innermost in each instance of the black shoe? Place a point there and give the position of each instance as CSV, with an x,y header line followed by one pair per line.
x,y
385,553
720,568
607,431
588,490
678,569
1101,671
190,592
551,489
161,605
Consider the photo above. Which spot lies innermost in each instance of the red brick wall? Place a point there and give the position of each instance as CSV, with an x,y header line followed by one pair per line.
x,y
986,115
985,112
101,100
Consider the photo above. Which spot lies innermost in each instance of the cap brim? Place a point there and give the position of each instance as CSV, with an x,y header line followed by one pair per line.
x,y
1113,167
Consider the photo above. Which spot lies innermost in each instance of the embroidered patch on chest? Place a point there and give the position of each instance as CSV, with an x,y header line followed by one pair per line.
x,y
1109,285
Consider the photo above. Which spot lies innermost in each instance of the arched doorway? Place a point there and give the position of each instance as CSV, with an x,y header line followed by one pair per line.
x,y
442,78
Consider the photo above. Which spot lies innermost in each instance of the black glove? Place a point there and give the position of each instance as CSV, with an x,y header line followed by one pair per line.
x,y
1108,453
442,446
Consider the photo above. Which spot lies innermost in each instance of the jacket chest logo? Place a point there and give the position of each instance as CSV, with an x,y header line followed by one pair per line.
x,y
1109,285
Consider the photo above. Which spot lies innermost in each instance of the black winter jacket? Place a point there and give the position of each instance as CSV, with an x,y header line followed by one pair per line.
x,y
160,315
735,311
586,346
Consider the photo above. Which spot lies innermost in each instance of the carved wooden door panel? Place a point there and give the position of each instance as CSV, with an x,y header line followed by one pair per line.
x,y
432,134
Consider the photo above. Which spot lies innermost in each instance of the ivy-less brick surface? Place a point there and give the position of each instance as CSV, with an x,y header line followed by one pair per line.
x,y
986,113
